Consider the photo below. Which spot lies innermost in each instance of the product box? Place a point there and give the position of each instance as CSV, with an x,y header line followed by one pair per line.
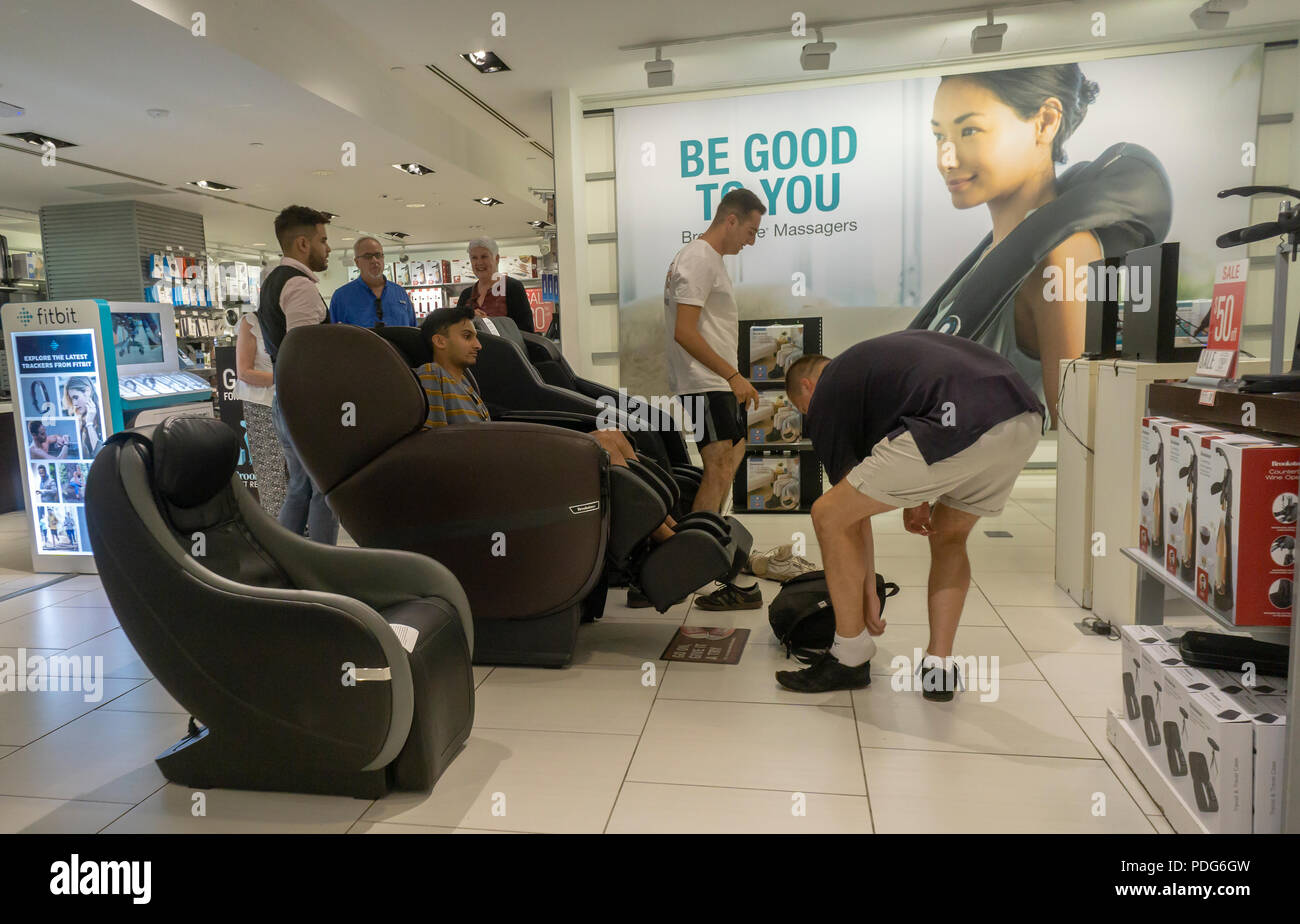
x,y
433,272
27,265
1181,442
353,273
772,348
773,483
416,271
1136,683
1250,499
775,420
1217,744
461,271
1268,720
1151,531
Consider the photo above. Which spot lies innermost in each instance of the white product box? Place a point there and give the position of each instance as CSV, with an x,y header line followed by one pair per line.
x,y
403,274
1151,531
1219,747
1268,719
433,272
1180,496
1250,500
1136,684
416,269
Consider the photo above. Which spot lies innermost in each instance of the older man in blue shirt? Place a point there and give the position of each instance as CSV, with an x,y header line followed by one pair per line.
x,y
371,300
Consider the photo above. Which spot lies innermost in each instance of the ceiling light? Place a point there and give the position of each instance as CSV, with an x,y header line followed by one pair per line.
x,y
397,67
489,201
330,215
400,235
210,184
415,205
659,72
256,144
346,239
816,56
414,169
158,113
486,62
258,244
39,141
1213,14
322,173
987,38
539,224
9,110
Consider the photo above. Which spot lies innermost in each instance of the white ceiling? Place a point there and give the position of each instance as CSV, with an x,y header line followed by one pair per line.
x,y
303,76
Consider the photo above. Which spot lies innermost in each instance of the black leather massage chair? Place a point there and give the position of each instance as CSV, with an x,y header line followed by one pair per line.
x,y
306,667
509,385
528,516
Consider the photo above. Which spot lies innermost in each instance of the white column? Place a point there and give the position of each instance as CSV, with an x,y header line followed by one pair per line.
x,y
571,222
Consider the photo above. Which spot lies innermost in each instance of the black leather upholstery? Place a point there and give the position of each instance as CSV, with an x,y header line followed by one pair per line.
x,y
249,627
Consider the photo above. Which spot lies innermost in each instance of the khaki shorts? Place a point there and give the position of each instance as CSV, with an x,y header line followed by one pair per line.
x,y
977,480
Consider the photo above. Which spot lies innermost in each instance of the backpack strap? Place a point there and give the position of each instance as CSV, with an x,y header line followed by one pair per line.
x,y
884,590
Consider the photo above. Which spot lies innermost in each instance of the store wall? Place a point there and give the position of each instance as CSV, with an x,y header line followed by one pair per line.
x,y
1278,161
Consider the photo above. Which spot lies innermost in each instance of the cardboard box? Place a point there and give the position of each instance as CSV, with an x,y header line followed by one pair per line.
x,y
1218,743
1181,496
1151,531
1268,721
416,270
773,483
1138,683
1251,501
774,421
772,349
1213,541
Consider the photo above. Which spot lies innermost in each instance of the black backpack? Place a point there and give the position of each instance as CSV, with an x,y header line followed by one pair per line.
x,y
802,618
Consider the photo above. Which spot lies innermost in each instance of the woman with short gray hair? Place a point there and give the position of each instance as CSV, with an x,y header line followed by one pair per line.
x,y
494,295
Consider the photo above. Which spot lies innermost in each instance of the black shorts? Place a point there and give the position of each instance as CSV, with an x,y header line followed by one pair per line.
x,y
724,418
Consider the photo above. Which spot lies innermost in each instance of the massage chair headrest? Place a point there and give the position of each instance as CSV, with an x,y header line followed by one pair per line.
x,y
194,459
503,328
407,340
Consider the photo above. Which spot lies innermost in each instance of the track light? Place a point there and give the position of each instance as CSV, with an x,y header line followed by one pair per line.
x,y
659,72
1213,14
816,56
987,38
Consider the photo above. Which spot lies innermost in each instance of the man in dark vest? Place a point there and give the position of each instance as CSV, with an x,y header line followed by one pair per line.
x,y
290,299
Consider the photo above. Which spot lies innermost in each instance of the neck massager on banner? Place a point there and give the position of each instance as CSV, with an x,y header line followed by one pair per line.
x,y
1123,196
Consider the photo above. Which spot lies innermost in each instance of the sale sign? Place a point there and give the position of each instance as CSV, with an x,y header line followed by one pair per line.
x,y
1227,305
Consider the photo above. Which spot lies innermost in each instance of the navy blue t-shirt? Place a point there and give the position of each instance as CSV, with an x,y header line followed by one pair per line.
x,y
946,391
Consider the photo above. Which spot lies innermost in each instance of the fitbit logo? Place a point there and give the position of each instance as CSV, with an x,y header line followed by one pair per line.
x,y
55,315
588,507
25,316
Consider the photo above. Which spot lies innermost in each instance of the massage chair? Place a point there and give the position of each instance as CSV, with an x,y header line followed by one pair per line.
x,y
286,652
529,516
514,388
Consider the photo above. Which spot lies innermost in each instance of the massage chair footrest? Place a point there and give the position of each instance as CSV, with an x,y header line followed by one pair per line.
x,y
683,564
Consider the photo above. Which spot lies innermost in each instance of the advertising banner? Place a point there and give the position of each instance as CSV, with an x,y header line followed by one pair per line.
x,y
877,192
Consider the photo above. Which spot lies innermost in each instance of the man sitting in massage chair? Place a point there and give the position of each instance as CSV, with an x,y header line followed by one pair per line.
x,y
453,400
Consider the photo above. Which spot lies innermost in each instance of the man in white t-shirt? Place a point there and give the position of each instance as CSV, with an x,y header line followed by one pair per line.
x,y
703,331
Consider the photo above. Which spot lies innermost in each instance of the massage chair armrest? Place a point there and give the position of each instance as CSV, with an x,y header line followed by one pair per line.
x,y
379,578
570,420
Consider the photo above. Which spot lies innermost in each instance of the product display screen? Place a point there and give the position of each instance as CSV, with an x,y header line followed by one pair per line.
x,y
57,396
137,338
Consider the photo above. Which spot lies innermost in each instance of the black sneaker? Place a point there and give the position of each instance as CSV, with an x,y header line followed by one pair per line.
x,y
731,597
938,685
636,600
824,675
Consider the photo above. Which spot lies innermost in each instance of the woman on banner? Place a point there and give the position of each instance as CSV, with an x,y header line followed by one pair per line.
x,y
81,401
999,136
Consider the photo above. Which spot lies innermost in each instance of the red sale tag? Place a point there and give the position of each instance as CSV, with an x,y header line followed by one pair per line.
x,y
1207,397
1227,305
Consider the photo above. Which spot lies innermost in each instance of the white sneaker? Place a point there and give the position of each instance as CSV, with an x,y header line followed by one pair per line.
x,y
780,564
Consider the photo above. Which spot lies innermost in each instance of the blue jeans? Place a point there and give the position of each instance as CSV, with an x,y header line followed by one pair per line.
x,y
305,510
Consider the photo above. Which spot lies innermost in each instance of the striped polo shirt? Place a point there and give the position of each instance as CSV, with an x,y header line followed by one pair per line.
x,y
450,402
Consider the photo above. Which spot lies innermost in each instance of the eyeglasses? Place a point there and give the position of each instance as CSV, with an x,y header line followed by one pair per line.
x,y
371,256
379,312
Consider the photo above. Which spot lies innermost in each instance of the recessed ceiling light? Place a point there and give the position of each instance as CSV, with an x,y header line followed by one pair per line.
x,y
322,173
486,62
539,224
255,144
211,184
158,113
397,67
39,141
258,244
400,235
346,239
414,169
415,205
489,201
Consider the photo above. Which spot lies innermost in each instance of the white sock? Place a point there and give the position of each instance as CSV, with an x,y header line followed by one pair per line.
x,y
853,652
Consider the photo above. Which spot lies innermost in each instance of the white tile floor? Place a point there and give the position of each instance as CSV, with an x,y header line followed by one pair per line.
x,y
622,742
